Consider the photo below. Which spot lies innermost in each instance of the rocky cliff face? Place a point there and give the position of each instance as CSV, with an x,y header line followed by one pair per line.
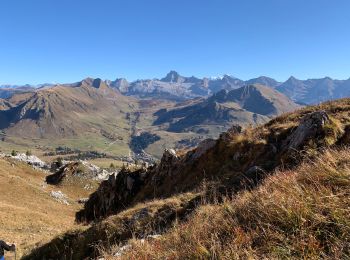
x,y
112,195
121,189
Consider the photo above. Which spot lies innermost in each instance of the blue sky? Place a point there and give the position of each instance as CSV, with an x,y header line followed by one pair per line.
x,y
67,40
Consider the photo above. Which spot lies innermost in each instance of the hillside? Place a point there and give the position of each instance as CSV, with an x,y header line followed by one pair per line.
x,y
4,104
299,214
29,214
280,190
249,105
8,92
138,120
68,115
313,91
56,111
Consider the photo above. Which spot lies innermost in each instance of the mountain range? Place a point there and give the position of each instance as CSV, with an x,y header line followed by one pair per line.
x,y
178,88
175,86
149,115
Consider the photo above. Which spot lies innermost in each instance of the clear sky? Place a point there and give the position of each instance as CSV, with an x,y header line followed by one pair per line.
x,y
67,40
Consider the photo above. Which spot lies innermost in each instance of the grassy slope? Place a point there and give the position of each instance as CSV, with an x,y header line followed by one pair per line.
x,y
303,213
29,215
91,111
78,243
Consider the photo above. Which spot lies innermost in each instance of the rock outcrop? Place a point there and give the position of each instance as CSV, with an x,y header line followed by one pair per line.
x,y
112,195
80,169
120,189
311,126
31,160
202,147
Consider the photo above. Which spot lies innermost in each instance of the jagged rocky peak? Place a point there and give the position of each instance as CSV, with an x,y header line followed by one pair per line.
x,y
96,83
86,81
292,79
173,77
121,83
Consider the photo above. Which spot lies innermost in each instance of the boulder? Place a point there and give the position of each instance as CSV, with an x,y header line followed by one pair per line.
x,y
30,159
202,147
311,126
254,174
60,197
233,130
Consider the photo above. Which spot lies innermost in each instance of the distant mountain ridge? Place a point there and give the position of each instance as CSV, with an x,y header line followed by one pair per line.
x,y
63,110
313,91
248,105
177,87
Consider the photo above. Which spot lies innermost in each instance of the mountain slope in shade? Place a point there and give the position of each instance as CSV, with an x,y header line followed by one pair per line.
x,y
261,99
4,104
249,105
7,92
314,91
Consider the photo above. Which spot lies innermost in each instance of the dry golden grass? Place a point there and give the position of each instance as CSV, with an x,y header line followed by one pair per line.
x,y
303,213
79,244
29,215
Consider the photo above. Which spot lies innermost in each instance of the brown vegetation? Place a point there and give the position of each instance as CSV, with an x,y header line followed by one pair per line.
x,y
29,215
303,213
